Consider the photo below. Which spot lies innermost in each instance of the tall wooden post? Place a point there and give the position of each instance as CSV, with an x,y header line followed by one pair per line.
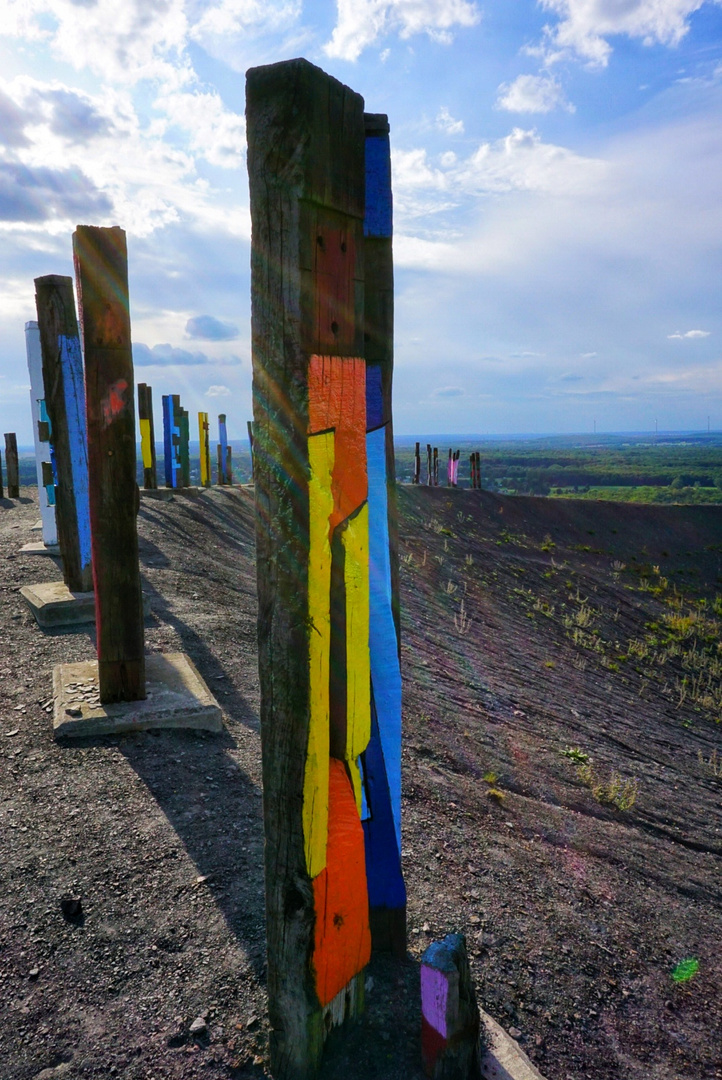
x,y
436,466
185,435
203,438
450,470
147,436
37,395
306,166
382,758
2,493
229,466
417,464
101,267
65,403
222,448
11,465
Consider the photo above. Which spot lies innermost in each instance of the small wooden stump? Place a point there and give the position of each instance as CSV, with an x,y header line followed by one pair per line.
x,y
450,1021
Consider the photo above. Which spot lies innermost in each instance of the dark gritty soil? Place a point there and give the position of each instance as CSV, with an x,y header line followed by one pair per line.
x,y
576,913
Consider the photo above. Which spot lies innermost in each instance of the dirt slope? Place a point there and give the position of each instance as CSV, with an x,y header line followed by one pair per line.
x,y
580,622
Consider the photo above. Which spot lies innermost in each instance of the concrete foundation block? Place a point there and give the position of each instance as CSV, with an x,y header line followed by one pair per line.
x,y
37,547
54,605
504,1059
176,697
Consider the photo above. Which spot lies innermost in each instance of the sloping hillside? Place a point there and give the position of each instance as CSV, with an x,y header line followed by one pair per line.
x,y
530,627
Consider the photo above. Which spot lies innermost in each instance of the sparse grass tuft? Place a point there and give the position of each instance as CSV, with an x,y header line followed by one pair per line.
x,y
576,754
616,791
713,762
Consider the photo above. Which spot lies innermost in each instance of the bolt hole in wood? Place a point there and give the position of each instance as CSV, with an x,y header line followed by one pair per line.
x,y
334,328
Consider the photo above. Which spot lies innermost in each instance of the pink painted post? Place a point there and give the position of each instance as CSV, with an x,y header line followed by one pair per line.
x,y
450,1020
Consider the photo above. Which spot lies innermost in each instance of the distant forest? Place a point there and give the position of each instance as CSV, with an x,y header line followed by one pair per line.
x,y
684,468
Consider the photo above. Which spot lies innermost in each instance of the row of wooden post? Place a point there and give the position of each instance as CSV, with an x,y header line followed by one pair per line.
x,y
452,469
176,438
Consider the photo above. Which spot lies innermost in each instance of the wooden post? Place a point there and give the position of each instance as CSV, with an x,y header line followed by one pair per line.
x,y
450,1021
11,465
306,158
382,757
184,447
101,267
203,438
37,396
65,404
436,466
229,466
147,436
250,443
222,449
2,493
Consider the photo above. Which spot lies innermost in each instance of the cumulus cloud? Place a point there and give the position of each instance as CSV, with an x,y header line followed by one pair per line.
x,y
40,194
246,17
689,334
585,25
361,22
532,94
218,391
207,328
215,132
166,356
445,121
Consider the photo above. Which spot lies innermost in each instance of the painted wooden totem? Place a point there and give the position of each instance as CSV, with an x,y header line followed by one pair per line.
x,y
322,314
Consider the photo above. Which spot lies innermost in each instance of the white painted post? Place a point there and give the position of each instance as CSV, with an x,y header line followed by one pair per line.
x,y
42,449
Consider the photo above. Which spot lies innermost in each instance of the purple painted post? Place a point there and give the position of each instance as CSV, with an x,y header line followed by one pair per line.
x,y
449,1013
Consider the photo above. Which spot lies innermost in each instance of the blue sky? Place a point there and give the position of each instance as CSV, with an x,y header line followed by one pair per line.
x,y
557,167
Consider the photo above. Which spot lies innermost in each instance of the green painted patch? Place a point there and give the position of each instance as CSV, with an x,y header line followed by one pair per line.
x,y
685,969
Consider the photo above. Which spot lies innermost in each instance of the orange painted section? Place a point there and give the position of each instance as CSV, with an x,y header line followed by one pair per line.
x,y
337,399
342,944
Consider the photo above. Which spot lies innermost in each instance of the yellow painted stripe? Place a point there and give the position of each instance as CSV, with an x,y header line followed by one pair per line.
x,y
358,663
145,447
315,788
205,463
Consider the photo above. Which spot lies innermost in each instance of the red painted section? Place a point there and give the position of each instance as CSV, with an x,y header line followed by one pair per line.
x,y
334,270
116,400
337,399
432,1044
342,939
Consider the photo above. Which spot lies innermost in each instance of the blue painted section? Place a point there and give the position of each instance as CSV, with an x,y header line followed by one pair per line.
x,y
383,861
383,646
223,440
171,463
374,399
378,218
43,413
71,362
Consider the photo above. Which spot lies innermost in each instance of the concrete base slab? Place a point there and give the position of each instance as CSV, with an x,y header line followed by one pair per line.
x,y
176,697
505,1059
54,605
166,494
37,547
37,527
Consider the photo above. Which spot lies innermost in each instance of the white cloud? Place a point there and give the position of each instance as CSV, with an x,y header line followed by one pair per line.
x,y
218,391
586,24
445,121
215,133
361,22
120,42
689,334
247,16
532,94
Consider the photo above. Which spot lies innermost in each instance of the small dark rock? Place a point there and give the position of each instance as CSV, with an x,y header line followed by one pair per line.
x,y
71,907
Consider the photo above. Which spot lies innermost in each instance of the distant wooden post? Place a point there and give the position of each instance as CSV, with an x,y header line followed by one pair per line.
x,y
203,438
37,396
449,470
63,380
222,449
321,436
250,443
229,466
172,440
417,464
436,466
185,460
147,436
382,758
101,266
11,465
429,466
2,493
450,1021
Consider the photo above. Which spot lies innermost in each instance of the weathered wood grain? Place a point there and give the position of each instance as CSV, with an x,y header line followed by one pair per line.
x,y
63,380
101,265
